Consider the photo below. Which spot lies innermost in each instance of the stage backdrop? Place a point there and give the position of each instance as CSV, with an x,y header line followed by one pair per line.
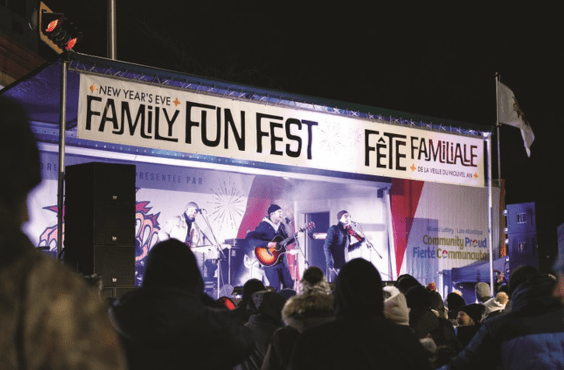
x,y
434,226
437,227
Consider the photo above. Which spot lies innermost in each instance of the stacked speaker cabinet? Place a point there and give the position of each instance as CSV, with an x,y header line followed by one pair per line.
x,y
100,223
522,244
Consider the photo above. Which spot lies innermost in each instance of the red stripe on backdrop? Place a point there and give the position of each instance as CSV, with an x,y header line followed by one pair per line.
x,y
404,198
264,192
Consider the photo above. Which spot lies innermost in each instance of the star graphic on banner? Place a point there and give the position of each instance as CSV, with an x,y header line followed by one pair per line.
x,y
229,204
475,175
176,102
413,168
93,88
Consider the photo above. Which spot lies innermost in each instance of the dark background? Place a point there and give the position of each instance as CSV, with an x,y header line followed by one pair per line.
x,y
437,60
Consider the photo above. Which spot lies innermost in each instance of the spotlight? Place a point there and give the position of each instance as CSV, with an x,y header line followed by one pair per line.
x,y
56,30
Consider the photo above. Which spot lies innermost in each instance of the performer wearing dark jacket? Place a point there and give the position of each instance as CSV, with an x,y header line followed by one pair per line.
x,y
165,323
263,236
337,241
531,336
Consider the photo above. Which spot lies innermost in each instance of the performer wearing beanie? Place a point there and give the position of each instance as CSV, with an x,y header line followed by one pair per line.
x,y
269,228
338,240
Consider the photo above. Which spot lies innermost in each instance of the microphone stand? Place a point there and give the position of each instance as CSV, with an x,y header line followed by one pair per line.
x,y
370,245
297,245
220,252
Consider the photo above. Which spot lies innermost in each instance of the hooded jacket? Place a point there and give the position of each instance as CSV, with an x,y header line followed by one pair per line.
x,y
165,323
360,337
531,336
265,317
313,307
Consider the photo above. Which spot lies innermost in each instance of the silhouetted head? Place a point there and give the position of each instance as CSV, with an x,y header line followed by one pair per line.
x,y
404,282
455,301
251,286
20,156
358,292
520,275
171,264
418,297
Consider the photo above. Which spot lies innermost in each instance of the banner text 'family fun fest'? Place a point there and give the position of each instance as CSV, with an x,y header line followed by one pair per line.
x,y
147,116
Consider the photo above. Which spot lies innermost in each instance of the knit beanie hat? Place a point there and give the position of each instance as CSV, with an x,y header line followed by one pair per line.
x,y
405,281
273,208
418,297
395,307
475,311
483,292
340,214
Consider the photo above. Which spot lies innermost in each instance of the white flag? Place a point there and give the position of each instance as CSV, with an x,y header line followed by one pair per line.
x,y
511,114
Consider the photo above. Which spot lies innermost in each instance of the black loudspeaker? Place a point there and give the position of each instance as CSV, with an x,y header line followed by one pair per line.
x,y
100,221
115,291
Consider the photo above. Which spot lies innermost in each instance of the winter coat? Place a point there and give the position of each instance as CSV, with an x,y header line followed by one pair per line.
x,y
49,317
300,313
360,337
169,323
171,328
265,309
531,336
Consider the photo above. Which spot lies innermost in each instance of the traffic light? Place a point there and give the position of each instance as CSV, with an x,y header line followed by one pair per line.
x,y
56,30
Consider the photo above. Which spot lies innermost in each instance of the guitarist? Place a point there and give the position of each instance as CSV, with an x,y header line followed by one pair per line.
x,y
269,228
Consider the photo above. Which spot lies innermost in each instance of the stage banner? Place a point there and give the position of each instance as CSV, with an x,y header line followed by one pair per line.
x,y
447,228
152,116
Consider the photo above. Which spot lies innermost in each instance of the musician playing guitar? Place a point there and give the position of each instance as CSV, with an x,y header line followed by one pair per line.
x,y
268,230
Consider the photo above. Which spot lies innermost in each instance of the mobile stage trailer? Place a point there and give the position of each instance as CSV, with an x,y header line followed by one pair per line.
x,y
417,187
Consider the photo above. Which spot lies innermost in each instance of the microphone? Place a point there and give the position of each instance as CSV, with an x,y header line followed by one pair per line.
x,y
287,220
199,210
353,222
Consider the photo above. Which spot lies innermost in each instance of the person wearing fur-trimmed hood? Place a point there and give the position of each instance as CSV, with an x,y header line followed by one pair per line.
x,y
360,337
313,306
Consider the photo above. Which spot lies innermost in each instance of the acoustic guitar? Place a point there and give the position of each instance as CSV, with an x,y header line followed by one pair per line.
x,y
269,256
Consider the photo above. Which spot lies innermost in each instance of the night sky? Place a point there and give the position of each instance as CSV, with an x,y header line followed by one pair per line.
x,y
435,61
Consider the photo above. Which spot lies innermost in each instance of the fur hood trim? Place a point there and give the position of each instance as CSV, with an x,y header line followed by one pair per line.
x,y
303,310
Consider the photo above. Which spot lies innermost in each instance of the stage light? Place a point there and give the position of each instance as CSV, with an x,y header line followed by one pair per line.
x,y
56,30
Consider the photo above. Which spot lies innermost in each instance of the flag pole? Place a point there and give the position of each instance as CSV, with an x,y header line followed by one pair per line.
x,y
497,125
